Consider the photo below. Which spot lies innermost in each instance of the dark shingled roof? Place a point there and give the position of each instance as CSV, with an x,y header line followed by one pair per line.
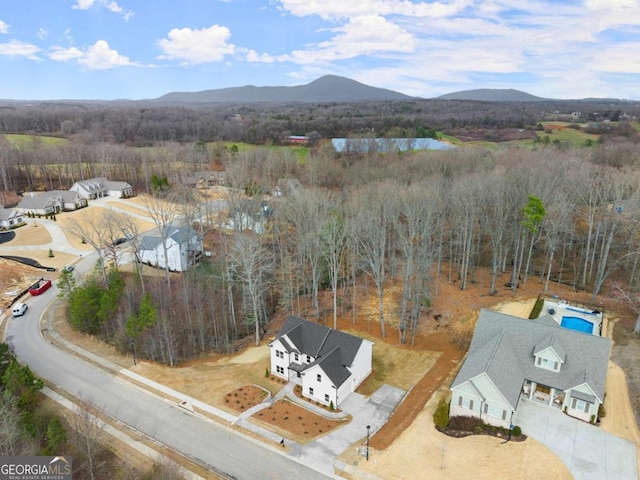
x,y
503,347
332,349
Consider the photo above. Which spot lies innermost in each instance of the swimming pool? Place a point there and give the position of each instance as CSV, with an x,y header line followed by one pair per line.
x,y
577,324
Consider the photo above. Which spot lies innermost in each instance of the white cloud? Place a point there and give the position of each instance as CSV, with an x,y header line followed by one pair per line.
x,y
334,9
16,48
43,33
83,4
113,6
362,35
95,57
64,54
197,46
4,28
100,57
110,5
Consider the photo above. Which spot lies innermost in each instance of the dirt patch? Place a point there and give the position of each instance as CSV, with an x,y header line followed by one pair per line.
x,y
294,422
15,278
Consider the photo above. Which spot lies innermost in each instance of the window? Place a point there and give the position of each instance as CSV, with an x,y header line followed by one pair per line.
x,y
280,369
465,402
297,357
580,405
279,354
319,378
326,397
308,359
494,411
310,390
546,363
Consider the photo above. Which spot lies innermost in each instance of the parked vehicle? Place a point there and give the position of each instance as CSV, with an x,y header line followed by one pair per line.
x,y
19,309
40,286
68,268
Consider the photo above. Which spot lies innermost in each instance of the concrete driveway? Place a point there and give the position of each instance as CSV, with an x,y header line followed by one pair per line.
x,y
589,452
374,411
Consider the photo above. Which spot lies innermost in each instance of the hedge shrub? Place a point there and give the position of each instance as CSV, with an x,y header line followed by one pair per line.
x,y
441,415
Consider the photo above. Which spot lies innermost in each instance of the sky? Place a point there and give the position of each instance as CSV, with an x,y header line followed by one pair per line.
x,y
140,49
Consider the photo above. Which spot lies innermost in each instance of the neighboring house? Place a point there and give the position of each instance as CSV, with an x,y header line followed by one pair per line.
x,y
55,201
184,249
101,187
512,358
248,215
327,363
204,179
286,186
10,218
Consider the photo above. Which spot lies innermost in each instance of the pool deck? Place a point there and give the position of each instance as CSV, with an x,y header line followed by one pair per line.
x,y
561,309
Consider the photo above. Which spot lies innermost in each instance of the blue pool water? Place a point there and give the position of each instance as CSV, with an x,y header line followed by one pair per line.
x,y
577,324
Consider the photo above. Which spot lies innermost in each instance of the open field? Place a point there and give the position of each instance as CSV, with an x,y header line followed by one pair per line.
x,y
571,136
33,141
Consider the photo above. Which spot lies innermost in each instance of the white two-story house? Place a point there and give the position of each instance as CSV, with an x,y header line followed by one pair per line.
x,y
327,363
183,249
511,358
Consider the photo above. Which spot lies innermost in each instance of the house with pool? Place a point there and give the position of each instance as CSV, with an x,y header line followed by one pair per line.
x,y
513,360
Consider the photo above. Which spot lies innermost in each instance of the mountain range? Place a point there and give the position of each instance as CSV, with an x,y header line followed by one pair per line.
x,y
333,88
493,95
330,88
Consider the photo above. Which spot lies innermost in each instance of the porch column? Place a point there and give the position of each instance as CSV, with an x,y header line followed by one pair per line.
x,y
534,385
551,396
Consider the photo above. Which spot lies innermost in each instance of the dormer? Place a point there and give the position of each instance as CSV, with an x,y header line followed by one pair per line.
x,y
548,354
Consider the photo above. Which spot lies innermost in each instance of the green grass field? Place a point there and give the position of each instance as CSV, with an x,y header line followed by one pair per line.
x,y
571,136
33,141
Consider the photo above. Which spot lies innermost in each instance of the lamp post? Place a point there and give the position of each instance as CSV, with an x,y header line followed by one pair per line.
x,y
368,429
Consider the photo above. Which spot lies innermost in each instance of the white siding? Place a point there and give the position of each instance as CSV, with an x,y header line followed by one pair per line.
x,y
361,367
465,401
553,362
283,363
323,386
493,400
581,410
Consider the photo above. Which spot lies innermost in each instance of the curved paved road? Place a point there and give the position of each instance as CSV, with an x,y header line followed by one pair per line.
x,y
206,441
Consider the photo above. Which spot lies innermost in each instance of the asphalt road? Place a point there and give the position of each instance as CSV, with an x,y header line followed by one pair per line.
x,y
206,441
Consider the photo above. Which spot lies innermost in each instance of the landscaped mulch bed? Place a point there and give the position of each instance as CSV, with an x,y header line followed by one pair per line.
x,y
492,432
245,397
295,422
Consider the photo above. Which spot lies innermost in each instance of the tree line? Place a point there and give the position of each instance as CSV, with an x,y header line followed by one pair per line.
x,y
147,123
413,220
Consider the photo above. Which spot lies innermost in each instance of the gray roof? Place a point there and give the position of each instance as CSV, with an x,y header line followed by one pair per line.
x,y
179,234
39,201
552,342
332,349
503,347
101,183
8,213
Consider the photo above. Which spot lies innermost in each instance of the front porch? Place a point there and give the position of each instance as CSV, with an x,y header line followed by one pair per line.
x,y
543,394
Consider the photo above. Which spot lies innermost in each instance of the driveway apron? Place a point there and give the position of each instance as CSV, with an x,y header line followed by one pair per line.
x,y
589,452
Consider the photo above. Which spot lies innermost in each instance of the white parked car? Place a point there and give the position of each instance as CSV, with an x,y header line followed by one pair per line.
x,y
19,309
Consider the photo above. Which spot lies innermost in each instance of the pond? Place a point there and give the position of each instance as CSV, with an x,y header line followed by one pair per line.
x,y
365,145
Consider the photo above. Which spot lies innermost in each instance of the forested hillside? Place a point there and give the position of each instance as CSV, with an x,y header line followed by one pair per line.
x,y
411,220
542,211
